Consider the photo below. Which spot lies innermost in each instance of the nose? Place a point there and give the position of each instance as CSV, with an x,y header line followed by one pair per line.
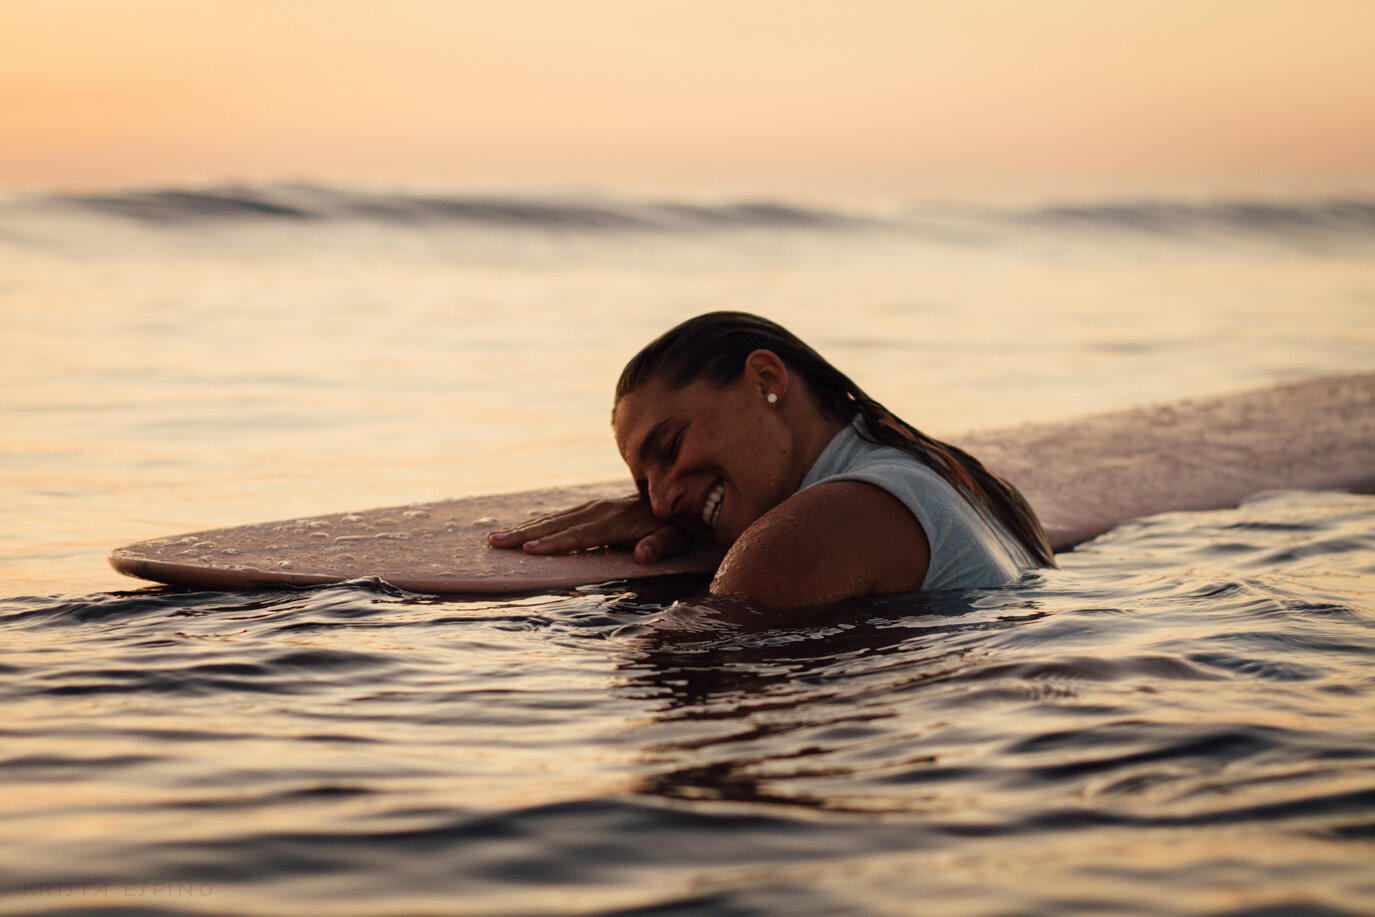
x,y
666,493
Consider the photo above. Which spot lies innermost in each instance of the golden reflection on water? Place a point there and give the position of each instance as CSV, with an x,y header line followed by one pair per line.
x,y
1141,870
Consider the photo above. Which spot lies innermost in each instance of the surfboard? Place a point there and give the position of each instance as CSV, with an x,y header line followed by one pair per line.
x,y
1083,477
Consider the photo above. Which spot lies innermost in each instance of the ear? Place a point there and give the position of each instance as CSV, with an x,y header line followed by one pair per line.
x,y
766,373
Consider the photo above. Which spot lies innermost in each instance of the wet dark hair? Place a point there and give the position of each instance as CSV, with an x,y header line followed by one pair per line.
x,y
713,348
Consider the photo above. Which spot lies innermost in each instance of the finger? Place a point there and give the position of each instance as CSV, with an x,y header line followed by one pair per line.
x,y
664,542
503,540
522,532
508,538
575,538
593,524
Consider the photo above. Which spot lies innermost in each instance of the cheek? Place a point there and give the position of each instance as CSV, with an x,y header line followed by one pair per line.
x,y
764,481
754,457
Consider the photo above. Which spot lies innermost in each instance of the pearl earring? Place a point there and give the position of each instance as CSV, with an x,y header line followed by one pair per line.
x,y
773,398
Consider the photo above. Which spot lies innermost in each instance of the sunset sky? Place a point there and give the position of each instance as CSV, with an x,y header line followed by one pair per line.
x,y
883,98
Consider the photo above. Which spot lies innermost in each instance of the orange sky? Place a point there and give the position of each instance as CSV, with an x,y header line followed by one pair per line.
x,y
906,98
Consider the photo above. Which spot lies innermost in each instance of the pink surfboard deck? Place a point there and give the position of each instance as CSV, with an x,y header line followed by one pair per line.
x,y
1083,477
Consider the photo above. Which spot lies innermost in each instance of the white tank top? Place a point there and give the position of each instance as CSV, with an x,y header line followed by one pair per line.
x,y
970,548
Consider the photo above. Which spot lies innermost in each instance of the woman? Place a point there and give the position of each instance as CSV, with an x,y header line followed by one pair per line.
x,y
734,428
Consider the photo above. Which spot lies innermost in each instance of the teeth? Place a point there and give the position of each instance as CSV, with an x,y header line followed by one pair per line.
x,y
713,505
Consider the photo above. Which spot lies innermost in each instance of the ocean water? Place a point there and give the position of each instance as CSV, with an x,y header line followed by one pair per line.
x,y
1179,720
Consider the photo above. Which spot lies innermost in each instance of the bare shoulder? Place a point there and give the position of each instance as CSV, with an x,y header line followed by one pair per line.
x,y
825,543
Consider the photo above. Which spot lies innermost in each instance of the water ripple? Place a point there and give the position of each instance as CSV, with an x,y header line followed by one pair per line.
x,y
1156,713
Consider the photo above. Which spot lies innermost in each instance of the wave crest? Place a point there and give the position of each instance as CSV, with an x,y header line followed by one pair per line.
x,y
1299,221
317,203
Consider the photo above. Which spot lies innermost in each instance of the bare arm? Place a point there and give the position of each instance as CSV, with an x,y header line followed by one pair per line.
x,y
827,543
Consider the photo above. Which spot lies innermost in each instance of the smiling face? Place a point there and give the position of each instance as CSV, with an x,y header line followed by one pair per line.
x,y
715,459
711,459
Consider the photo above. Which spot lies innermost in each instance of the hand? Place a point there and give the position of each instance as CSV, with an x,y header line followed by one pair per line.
x,y
600,523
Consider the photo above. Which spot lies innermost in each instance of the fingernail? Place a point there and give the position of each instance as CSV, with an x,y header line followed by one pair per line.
x,y
644,553
496,535
532,544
